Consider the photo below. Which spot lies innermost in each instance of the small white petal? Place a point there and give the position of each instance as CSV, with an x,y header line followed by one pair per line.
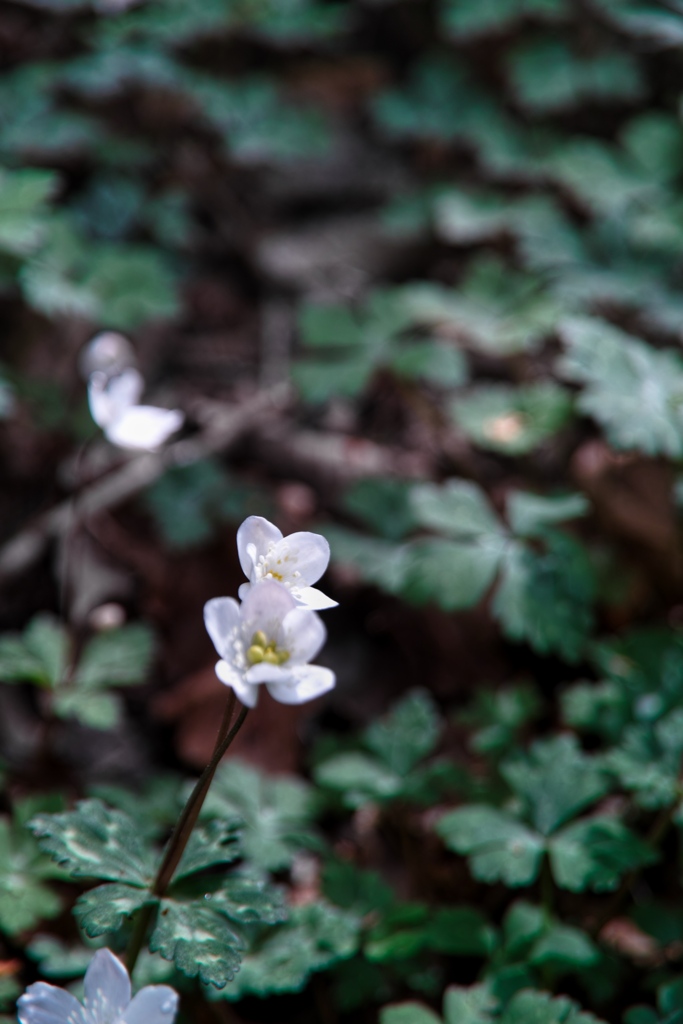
x,y
258,532
107,987
308,682
302,634
144,427
243,590
110,397
315,599
247,693
264,608
222,621
47,1004
265,673
305,553
155,1004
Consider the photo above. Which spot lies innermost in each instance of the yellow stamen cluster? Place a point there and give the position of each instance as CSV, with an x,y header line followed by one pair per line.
x,y
262,649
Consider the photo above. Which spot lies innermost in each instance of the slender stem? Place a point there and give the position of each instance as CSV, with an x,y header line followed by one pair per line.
x,y
183,829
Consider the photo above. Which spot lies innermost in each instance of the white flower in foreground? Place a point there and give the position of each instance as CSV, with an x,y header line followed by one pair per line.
x,y
107,999
268,639
114,406
296,561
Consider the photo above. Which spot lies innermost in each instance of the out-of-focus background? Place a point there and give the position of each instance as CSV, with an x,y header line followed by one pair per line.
x,y
411,270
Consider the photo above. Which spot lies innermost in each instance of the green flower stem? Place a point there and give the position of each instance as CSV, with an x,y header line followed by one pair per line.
x,y
183,829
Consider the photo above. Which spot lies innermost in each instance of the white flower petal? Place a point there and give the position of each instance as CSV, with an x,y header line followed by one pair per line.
x,y
247,693
264,608
110,397
107,987
253,539
307,683
243,590
314,599
155,1004
302,634
144,427
222,621
305,553
47,1004
265,673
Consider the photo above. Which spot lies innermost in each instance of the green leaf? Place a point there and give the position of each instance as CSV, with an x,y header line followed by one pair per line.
x,y
513,421
500,848
555,781
474,1005
595,854
198,941
634,391
94,841
24,899
329,326
212,844
457,508
497,310
121,285
547,76
23,209
547,597
435,362
105,908
96,710
359,778
316,936
530,514
463,20
647,762
40,655
275,811
409,733
190,503
383,503
498,717
408,1013
529,1007
119,657
450,574
249,900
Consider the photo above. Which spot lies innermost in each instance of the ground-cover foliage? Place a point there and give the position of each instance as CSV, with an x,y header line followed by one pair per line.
x,y
398,283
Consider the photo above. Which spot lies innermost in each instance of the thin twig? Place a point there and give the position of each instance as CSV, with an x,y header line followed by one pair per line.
x,y
226,425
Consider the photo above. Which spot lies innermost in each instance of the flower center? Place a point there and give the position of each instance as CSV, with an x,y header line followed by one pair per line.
x,y
275,565
264,650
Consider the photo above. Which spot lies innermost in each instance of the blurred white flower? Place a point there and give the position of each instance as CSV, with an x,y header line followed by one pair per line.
x,y
108,351
107,999
114,407
268,639
296,561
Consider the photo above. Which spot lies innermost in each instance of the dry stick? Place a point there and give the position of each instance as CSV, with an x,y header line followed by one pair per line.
x,y
183,829
226,426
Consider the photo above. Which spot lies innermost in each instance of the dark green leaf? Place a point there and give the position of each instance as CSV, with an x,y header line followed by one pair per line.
x,y
105,908
595,854
407,734
94,841
275,812
499,846
555,780
198,941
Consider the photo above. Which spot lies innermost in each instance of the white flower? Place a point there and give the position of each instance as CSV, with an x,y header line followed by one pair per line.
x,y
114,406
268,639
296,561
107,999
